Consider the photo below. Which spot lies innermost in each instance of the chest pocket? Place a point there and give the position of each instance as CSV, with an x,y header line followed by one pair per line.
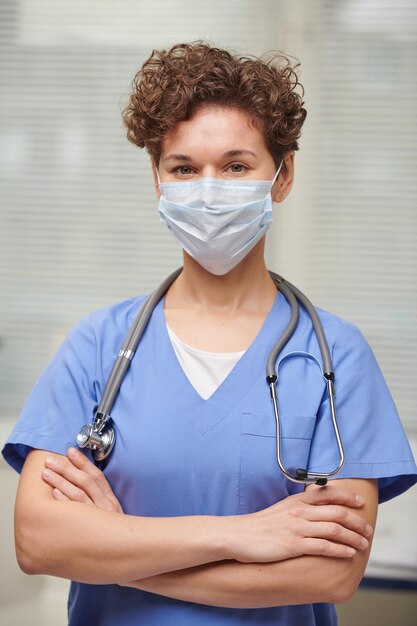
x,y
261,482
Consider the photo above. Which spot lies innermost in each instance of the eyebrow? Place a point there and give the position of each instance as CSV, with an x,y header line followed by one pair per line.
x,y
186,157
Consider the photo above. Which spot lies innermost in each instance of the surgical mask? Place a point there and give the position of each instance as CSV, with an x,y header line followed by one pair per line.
x,y
216,221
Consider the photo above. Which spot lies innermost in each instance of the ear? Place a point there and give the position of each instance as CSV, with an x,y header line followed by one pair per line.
x,y
282,186
155,178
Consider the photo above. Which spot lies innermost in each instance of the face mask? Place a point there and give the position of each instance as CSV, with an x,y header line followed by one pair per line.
x,y
217,221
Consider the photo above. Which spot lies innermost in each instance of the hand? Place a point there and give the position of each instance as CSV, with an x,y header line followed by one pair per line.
x,y
321,521
76,478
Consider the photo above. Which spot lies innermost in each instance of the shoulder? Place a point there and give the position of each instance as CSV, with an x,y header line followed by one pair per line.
x,y
97,336
110,321
340,329
119,315
341,335
351,353
348,346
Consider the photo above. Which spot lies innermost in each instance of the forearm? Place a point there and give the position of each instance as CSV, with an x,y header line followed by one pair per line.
x,y
87,544
152,546
93,546
300,580
232,584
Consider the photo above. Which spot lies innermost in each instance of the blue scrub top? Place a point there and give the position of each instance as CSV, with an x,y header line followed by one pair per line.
x,y
178,454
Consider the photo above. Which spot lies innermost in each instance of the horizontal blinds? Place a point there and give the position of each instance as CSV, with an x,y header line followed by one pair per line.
x,y
79,220
366,229
348,233
79,224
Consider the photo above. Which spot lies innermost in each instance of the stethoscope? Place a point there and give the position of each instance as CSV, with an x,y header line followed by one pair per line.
x,y
100,436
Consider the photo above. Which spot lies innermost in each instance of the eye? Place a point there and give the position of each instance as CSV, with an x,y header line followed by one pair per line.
x,y
183,170
237,168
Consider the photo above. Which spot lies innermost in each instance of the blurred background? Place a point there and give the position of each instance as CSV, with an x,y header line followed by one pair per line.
x,y
80,229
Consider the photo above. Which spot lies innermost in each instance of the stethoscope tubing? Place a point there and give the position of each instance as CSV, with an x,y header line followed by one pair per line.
x,y
101,429
130,345
318,328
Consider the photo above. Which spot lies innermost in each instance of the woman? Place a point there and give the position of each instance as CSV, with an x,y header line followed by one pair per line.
x,y
191,521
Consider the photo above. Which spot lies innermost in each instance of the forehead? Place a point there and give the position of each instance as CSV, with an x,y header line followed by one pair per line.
x,y
215,126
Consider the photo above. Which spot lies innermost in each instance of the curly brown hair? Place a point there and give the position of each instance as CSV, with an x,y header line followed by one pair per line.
x,y
172,84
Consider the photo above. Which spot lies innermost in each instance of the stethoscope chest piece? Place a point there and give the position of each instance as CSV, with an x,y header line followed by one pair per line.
x,y
99,436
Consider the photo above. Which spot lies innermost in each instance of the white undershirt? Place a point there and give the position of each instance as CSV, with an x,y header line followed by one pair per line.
x,y
205,370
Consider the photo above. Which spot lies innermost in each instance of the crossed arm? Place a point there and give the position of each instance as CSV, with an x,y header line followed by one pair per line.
x,y
308,548
298,580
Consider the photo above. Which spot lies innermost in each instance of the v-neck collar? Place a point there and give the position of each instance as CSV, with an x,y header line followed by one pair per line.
x,y
206,414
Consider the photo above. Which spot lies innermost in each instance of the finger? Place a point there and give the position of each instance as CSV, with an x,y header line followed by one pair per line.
x,y
80,480
332,494
79,459
335,533
82,462
68,489
322,547
58,495
341,515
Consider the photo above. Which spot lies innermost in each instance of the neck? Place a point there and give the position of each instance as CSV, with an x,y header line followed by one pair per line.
x,y
247,286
